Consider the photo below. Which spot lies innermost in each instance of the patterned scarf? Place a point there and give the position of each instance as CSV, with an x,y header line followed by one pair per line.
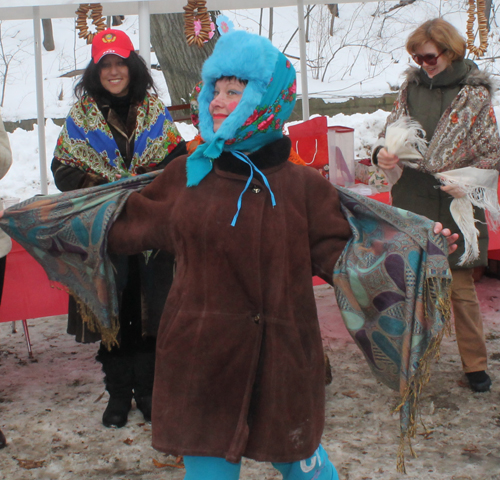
x,y
198,140
66,234
392,280
393,288
266,103
86,141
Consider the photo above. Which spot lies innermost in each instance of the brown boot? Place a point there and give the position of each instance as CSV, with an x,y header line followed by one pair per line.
x,y
3,440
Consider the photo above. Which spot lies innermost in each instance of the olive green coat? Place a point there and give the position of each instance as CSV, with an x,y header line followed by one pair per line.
x,y
455,110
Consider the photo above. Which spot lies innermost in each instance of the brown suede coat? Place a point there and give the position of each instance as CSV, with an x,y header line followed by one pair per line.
x,y
240,369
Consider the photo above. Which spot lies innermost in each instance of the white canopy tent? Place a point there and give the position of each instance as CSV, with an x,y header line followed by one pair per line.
x,y
38,9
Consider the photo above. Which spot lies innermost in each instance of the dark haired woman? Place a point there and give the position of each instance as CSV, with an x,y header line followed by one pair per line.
x,y
117,129
451,99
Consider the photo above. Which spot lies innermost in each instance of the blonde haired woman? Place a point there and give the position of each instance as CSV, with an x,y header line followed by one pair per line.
x,y
451,99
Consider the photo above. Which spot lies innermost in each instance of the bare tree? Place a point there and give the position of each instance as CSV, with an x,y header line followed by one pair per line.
x,y
271,21
48,35
334,10
320,34
306,16
180,63
7,56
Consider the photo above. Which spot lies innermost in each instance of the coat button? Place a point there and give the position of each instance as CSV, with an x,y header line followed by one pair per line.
x,y
256,189
256,318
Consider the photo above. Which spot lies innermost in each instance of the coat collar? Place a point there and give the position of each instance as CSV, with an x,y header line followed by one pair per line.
x,y
473,77
273,154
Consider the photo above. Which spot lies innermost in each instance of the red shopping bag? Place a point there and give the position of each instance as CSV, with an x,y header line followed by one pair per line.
x,y
328,149
310,141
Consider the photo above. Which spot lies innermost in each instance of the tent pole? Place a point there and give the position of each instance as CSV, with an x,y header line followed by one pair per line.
x,y
303,60
42,152
145,33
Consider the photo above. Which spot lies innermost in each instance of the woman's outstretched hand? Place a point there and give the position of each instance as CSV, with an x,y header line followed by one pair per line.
x,y
450,238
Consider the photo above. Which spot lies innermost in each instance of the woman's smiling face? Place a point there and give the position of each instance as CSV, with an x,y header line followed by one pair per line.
x,y
442,61
114,75
227,95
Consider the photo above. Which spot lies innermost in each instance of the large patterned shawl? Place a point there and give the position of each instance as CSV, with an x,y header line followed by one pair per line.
x,y
393,284
86,141
466,135
66,234
392,280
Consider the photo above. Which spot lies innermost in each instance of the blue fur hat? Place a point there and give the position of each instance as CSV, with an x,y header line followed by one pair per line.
x,y
267,101
247,57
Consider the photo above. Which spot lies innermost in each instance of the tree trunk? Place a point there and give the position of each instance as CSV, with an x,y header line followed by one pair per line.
x,y
180,63
334,10
48,35
271,23
308,11
4,84
487,12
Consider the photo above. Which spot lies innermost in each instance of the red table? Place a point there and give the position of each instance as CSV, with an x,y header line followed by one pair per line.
x,y
28,293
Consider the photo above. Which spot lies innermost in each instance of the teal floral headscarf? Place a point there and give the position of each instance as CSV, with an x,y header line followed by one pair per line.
x,y
266,103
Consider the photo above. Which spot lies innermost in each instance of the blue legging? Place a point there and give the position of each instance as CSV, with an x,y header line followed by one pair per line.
x,y
317,467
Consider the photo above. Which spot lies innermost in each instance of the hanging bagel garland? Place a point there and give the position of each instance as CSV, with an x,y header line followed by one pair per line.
x,y
198,26
89,12
482,27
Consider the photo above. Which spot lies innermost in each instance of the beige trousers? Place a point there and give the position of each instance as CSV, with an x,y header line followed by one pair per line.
x,y
468,322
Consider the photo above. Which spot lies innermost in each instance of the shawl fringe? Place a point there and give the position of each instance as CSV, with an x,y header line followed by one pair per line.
x,y
434,289
394,294
109,336
480,188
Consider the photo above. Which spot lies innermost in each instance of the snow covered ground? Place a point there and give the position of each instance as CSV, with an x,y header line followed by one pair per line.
x,y
51,409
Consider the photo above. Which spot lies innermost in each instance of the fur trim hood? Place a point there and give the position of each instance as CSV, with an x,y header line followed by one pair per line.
x,y
475,78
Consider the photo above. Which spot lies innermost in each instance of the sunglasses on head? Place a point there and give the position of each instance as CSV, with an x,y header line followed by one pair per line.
x,y
430,59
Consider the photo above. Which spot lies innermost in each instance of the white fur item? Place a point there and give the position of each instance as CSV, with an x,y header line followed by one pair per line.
x,y
406,139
